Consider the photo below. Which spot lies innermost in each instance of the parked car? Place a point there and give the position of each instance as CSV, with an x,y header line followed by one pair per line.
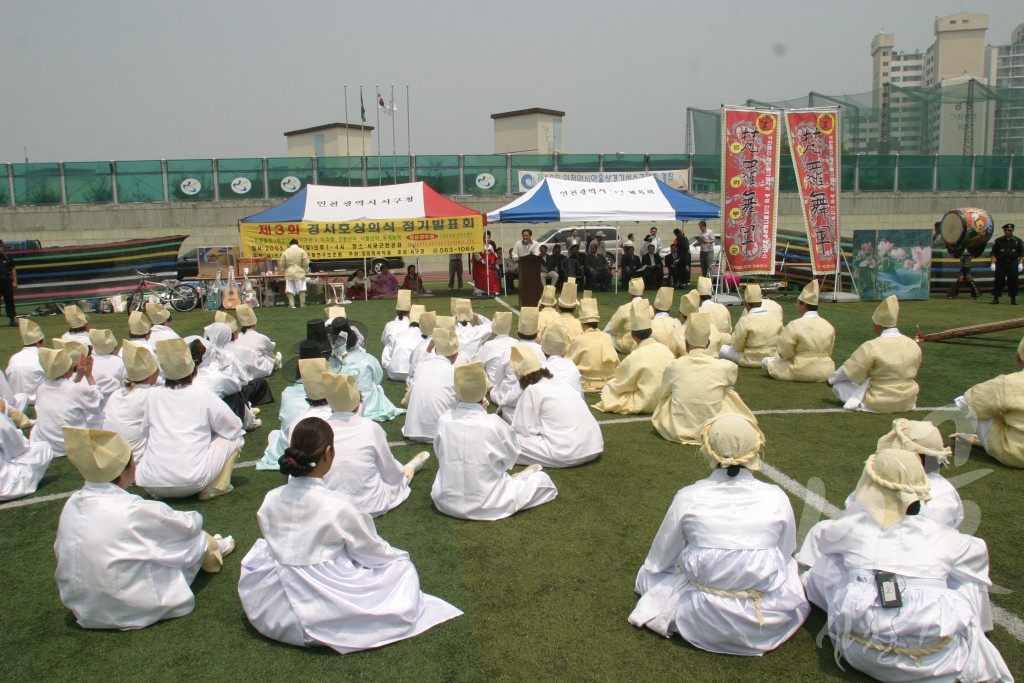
x,y
612,239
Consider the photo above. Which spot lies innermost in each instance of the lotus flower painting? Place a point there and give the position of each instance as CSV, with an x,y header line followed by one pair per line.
x,y
887,262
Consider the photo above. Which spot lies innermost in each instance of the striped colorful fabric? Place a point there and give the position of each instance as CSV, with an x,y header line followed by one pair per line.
x,y
57,274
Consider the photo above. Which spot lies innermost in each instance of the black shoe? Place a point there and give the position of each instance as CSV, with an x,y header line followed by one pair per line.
x,y
995,299
14,321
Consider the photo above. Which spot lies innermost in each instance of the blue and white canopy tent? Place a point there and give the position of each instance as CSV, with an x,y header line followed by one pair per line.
x,y
644,199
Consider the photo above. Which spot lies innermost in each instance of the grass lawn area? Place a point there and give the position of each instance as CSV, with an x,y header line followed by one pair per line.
x,y
546,592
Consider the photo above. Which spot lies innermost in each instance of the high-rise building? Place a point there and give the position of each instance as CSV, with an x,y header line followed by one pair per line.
x,y
926,101
1005,69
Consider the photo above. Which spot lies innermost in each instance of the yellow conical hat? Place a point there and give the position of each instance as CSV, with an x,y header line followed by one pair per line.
x,y
404,300
428,321
246,316
416,312
502,322
689,303
30,332
446,343
227,319
888,312
76,349
524,360
698,329
99,455
568,296
342,392
312,371
529,316
55,363
752,295
74,317
470,382
547,297
139,361
589,312
175,358
640,316
157,313
103,341
704,286
809,295
555,340
636,286
138,323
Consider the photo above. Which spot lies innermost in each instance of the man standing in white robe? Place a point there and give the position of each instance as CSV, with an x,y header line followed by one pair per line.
x,y
432,392
124,562
475,450
720,571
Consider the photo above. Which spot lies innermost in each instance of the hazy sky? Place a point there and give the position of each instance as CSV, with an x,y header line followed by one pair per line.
x,y
138,79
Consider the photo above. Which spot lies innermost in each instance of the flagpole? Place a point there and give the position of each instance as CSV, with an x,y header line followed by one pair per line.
x,y
362,125
348,150
408,127
380,175
394,157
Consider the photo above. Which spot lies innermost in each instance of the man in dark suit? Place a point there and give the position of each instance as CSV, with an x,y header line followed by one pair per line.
x,y
651,268
629,264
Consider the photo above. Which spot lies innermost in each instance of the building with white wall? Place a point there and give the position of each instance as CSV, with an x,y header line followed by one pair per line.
x,y
528,131
331,140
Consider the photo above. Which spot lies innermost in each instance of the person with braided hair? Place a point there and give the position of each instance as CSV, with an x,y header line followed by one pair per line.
x,y
721,571
905,594
321,575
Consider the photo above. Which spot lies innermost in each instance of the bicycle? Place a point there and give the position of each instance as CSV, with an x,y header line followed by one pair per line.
x,y
182,298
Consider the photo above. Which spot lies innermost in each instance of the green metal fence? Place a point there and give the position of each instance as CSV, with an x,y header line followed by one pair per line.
x,y
191,180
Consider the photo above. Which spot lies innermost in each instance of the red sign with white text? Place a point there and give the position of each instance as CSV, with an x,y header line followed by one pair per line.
x,y
750,184
814,144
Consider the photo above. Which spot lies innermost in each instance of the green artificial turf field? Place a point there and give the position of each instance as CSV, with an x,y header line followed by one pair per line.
x,y
546,592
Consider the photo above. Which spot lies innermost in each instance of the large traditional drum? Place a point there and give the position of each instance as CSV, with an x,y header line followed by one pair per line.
x,y
967,228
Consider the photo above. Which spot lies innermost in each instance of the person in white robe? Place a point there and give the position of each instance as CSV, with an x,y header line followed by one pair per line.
x,y
305,398
396,359
107,367
505,394
555,344
475,452
619,324
995,409
16,403
140,330
22,463
294,263
432,392
403,304
592,352
159,317
471,328
546,307
124,562
321,575
78,325
805,345
879,376
268,358
366,469
424,349
930,629
720,571
223,380
756,335
552,424
62,400
192,437
125,410
491,351
24,373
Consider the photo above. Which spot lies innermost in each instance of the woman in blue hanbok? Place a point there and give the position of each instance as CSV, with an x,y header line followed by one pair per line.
x,y
349,358
305,398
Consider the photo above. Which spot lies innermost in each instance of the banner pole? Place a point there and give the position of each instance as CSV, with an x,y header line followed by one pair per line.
x,y
380,175
394,154
408,125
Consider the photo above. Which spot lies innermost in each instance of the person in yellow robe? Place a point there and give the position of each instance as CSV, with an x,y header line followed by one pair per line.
x,y
720,316
636,386
696,387
663,325
567,304
688,305
592,351
756,335
618,326
546,306
805,345
996,410
879,376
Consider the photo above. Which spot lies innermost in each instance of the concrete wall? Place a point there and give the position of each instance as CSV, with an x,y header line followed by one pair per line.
x,y
215,223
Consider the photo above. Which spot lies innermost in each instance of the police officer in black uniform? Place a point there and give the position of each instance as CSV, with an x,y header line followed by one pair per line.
x,y
1007,255
8,283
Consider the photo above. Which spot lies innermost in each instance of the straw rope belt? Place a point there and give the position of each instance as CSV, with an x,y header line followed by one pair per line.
x,y
748,594
915,653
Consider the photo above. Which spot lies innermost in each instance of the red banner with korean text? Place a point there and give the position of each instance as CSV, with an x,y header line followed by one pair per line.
x,y
814,144
750,188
